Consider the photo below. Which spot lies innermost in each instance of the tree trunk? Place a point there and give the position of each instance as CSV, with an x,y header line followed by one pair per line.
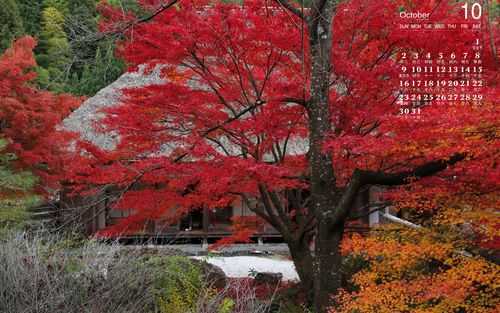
x,y
324,194
331,204
327,266
303,261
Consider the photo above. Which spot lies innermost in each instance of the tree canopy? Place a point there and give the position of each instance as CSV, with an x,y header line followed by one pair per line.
x,y
263,101
29,116
292,110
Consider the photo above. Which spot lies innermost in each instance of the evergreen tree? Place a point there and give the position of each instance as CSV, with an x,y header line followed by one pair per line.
x,y
11,24
15,191
81,27
9,179
30,11
93,62
54,55
60,5
104,69
128,5
83,8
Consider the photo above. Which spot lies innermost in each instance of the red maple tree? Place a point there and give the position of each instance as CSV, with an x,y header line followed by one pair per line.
x,y
295,108
29,116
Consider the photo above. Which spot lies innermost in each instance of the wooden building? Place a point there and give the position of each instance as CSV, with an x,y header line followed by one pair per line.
x,y
94,213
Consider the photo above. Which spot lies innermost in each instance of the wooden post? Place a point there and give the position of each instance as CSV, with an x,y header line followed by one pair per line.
x,y
205,222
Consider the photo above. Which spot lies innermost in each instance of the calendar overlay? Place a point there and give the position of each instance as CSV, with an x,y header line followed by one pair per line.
x,y
448,77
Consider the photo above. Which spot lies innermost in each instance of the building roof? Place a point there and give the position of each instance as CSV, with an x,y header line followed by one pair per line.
x,y
84,119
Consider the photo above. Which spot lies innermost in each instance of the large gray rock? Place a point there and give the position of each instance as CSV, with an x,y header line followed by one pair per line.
x,y
268,278
213,274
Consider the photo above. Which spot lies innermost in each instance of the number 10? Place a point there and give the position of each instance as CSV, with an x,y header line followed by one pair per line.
x,y
476,10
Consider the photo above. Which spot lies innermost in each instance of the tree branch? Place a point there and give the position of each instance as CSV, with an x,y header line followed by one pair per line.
x,y
279,208
145,19
234,118
428,169
259,211
287,5
282,228
362,178
342,210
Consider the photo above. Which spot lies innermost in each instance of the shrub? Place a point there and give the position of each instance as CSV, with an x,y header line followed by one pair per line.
x,y
38,276
178,285
182,288
237,297
51,273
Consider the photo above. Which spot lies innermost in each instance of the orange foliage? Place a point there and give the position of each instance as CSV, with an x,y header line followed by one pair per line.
x,y
419,271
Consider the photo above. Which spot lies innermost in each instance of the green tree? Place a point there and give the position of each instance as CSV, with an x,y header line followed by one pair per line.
x,y
15,191
81,27
60,5
30,11
103,70
85,8
11,23
9,179
127,5
93,63
54,51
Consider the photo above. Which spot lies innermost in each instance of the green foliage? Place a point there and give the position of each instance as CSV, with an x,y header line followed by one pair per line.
x,y
52,23
10,180
43,77
54,47
15,192
226,306
179,285
129,5
30,11
11,24
81,26
90,64
82,7
59,5
14,214
98,73
494,9
69,57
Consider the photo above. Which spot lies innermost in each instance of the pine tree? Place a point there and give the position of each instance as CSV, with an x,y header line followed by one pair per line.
x,y
11,24
54,48
81,27
104,69
15,191
94,65
30,11
60,5
82,8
